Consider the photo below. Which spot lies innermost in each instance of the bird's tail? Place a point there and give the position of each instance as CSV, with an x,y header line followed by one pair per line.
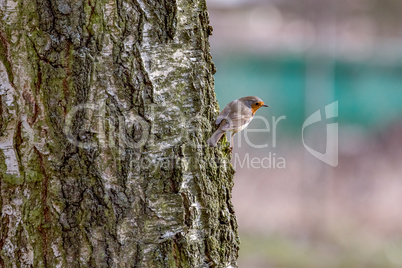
x,y
213,141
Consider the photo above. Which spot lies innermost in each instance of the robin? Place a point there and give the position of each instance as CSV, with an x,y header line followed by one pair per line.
x,y
235,117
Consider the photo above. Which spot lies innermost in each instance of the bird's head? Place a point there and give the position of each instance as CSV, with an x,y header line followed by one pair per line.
x,y
253,102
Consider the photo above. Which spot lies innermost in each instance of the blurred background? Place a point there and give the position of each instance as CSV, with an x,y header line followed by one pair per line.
x,y
299,56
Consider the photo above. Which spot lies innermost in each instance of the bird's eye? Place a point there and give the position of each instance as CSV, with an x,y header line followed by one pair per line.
x,y
256,103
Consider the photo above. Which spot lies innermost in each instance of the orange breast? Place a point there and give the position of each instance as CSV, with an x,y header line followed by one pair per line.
x,y
254,108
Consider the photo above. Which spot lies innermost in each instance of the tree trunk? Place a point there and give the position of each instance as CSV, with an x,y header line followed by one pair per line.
x,y
105,109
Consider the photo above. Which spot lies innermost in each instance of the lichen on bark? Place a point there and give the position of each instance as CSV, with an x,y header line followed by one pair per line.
x,y
107,106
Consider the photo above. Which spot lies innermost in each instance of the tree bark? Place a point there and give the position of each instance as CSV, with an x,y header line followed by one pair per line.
x,y
105,109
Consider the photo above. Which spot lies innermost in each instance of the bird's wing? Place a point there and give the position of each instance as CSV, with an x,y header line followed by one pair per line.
x,y
243,115
225,112
234,116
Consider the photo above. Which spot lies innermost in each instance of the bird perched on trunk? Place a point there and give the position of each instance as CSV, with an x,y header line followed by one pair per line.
x,y
235,117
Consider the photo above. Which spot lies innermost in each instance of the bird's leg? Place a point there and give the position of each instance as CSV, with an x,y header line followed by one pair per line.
x,y
231,141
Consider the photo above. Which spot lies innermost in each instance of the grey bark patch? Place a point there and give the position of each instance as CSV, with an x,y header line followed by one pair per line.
x,y
64,7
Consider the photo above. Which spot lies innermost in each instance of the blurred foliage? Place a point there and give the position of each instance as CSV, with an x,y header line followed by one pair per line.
x,y
287,252
369,92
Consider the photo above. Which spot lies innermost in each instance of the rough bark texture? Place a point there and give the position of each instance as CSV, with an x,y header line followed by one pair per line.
x,y
105,107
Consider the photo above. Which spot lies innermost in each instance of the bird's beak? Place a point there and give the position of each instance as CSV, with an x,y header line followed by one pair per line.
x,y
264,105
